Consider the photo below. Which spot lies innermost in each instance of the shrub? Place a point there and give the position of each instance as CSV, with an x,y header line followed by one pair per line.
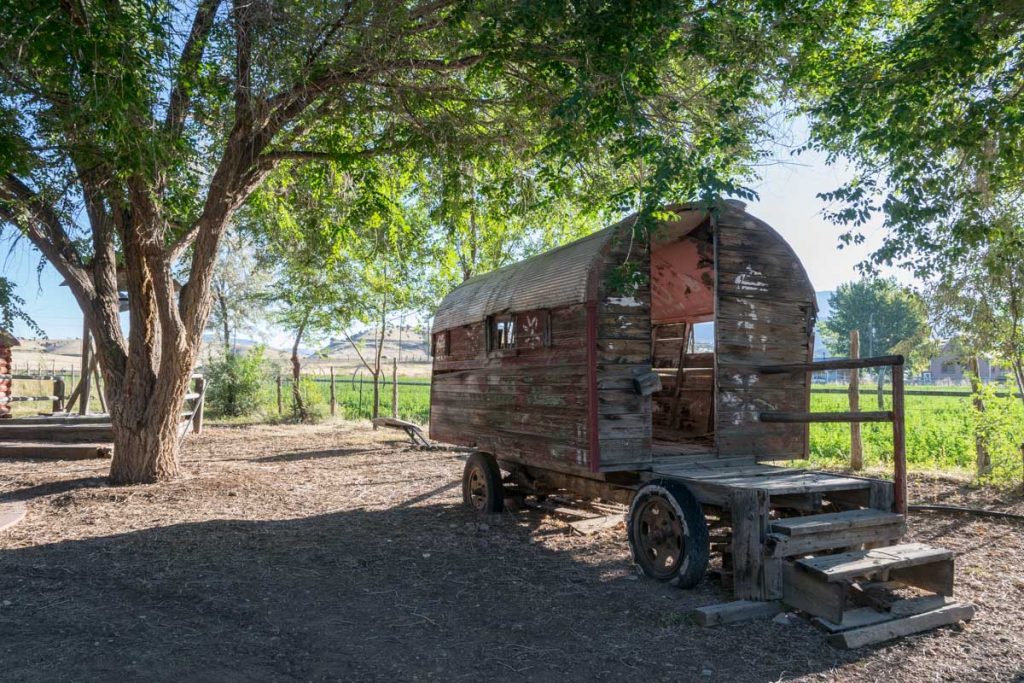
x,y
235,383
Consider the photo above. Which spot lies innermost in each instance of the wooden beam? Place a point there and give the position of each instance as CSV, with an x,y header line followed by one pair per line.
x,y
800,418
899,442
917,623
836,364
738,610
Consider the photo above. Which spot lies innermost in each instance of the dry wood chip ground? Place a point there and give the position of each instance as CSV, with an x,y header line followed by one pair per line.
x,y
337,553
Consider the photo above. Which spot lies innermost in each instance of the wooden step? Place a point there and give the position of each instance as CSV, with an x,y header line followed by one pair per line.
x,y
796,536
861,563
65,433
835,521
54,451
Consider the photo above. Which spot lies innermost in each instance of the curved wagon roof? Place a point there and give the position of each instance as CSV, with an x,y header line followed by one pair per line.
x,y
560,277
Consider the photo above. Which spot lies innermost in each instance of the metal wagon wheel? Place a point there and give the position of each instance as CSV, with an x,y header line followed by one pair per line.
x,y
482,489
668,534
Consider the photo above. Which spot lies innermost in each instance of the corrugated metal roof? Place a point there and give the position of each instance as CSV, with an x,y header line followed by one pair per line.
x,y
554,278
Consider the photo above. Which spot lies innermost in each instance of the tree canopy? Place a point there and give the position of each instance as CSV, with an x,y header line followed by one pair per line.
x,y
890,318
926,99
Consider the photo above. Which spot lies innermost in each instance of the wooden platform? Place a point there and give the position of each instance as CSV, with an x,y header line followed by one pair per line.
x,y
714,480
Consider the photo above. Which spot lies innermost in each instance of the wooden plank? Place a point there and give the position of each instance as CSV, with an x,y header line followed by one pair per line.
x,y
845,566
835,364
802,590
854,618
779,416
917,623
595,524
834,521
792,546
738,610
55,451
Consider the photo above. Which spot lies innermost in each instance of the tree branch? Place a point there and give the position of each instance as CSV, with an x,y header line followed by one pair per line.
x,y
191,55
22,207
274,155
243,58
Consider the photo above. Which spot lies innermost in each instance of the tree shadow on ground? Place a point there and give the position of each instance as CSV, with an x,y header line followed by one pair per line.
x,y
413,591
51,488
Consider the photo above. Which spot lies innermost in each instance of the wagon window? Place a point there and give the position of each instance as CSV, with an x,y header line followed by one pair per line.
x,y
442,341
501,332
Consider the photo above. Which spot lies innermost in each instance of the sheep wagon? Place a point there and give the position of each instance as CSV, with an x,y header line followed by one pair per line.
x,y
577,370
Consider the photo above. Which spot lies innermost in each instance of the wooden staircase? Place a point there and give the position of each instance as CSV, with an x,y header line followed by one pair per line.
x,y
848,570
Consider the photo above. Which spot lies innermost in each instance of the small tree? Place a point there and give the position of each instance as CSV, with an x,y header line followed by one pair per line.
x,y
235,381
236,288
979,300
890,318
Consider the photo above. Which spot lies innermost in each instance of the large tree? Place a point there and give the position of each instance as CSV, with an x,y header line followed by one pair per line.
x,y
131,132
924,99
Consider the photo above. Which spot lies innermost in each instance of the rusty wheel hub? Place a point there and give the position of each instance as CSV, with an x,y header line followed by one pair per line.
x,y
660,535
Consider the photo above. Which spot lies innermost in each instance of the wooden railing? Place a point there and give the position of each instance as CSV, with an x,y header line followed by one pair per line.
x,y
896,415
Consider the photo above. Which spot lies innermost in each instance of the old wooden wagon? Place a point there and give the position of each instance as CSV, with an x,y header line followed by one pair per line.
x,y
577,370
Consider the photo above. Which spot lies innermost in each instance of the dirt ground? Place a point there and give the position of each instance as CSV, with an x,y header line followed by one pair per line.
x,y
333,553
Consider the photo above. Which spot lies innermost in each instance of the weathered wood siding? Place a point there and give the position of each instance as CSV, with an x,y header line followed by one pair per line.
x,y
766,311
528,403
623,350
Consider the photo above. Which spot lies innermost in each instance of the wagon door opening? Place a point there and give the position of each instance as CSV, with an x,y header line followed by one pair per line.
x,y
682,311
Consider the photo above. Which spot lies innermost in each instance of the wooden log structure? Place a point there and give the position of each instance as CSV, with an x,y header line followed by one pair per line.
x,y
7,342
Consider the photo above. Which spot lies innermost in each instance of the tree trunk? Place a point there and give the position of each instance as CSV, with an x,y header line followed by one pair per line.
x,y
376,393
297,401
145,421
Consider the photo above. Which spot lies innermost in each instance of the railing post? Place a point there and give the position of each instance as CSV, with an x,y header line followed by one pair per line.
x,y
197,407
899,440
58,394
334,402
856,443
394,387
280,406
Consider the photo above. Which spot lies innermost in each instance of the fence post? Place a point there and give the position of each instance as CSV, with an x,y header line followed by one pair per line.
x,y
899,441
280,406
394,387
58,394
856,443
83,406
334,403
359,410
198,406
983,462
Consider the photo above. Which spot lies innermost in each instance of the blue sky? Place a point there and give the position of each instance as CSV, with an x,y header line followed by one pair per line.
x,y
788,202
